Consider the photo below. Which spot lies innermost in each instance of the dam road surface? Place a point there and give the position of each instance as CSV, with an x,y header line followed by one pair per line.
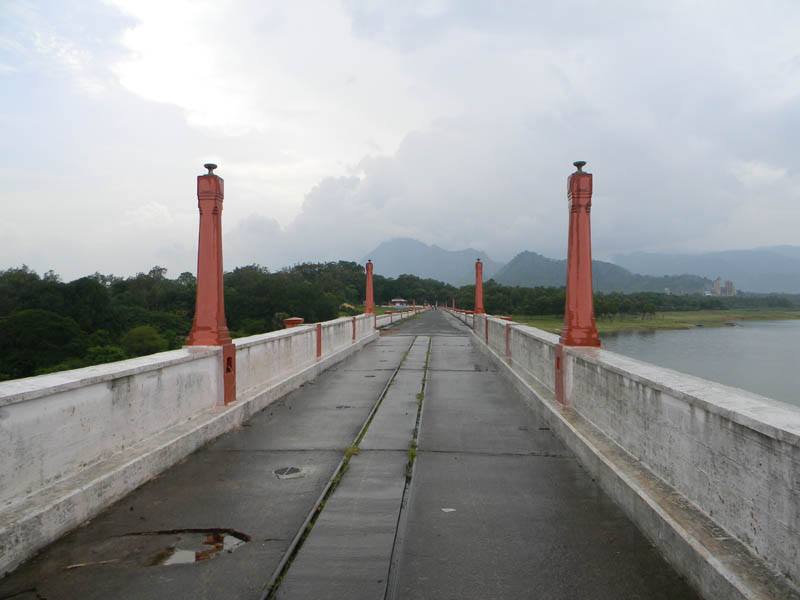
x,y
410,470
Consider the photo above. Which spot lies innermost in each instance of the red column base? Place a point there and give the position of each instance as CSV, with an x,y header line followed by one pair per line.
x,y
574,336
229,373
559,375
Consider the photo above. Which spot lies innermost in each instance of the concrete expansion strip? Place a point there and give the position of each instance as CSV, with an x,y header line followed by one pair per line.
x,y
26,526
718,565
348,552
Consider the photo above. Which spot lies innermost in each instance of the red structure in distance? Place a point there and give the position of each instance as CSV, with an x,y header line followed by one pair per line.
x,y
209,327
479,288
579,327
369,309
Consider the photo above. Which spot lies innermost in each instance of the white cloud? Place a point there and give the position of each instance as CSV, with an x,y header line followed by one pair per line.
x,y
337,126
755,173
152,214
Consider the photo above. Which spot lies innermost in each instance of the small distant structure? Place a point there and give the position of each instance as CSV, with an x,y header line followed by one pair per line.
x,y
723,289
397,302
729,289
666,291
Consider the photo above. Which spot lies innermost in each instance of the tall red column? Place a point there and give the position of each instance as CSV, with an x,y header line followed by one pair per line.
x,y
579,324
370,302
479,287
209,327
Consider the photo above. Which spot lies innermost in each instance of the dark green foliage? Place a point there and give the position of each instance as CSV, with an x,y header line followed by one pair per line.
x,y
47,325
35,338
142,340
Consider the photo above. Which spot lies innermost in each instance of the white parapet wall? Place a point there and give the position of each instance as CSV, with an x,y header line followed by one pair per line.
x,y
709,472
76,441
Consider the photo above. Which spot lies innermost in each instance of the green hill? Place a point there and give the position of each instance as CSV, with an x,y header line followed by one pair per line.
x,y
529,269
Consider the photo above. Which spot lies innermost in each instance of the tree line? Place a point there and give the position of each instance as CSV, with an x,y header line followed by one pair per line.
x,y
48,325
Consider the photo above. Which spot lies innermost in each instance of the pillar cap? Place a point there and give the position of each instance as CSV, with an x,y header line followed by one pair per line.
x,y
210,167
579,164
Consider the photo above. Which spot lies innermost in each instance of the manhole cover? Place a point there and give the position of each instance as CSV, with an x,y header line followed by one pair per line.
x,y
288,472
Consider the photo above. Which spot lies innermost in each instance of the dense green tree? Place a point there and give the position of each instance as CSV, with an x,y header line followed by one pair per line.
x,y
35,338
142,340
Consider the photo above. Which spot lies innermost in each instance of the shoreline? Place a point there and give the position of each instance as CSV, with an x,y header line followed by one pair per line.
x,y
665,321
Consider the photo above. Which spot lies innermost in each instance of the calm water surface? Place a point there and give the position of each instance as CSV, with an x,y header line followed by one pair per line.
x,y
759,356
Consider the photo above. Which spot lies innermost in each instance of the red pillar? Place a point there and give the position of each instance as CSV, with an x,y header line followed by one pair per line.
x,y
370,302
319,340
209,327
579,323
479,287
292,322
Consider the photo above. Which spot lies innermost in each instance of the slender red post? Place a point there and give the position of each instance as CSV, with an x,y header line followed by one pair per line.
x,y
319,340
370,302
508,342
354,329
579,323
479,288
454,303
209,327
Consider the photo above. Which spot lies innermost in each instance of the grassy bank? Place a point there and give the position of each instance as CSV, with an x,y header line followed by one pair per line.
x,y
664,320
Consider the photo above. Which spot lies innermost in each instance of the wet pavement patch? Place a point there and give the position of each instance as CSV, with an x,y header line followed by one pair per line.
x,y
162,548
288,472
193,547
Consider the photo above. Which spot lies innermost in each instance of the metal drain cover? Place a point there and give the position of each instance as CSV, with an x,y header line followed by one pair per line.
x,y
288,472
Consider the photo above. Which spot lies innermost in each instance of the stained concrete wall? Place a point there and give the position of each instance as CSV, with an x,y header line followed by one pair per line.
x,y
52,426
731,454
74,442
734,454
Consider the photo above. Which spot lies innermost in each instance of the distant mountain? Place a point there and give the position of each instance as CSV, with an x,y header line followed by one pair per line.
x,y
529,269
404,255
767,269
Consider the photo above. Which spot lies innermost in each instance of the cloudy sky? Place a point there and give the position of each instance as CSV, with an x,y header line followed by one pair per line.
x,y
338,125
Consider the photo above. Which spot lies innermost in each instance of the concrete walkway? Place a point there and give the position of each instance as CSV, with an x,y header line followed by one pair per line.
x,y
410,470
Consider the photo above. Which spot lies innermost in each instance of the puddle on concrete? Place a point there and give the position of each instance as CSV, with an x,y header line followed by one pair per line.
x,y
192,547
288,473
143,549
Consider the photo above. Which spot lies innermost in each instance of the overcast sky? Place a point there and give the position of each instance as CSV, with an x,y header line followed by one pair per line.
x,y
338,125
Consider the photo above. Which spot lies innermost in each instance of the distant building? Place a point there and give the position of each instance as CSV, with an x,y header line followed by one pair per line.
x,y
399,302
730,289
666,291
722,289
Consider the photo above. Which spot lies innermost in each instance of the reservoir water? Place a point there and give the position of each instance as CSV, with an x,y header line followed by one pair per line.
x,y
758,356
